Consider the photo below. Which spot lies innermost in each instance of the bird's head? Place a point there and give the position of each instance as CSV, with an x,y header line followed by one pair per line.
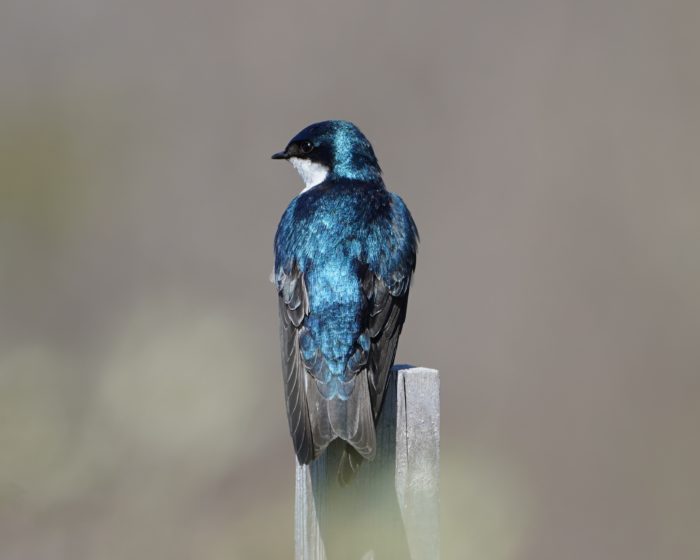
x,y
331,149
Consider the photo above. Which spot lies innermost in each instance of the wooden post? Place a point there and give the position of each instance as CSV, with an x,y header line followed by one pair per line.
x,y
390,511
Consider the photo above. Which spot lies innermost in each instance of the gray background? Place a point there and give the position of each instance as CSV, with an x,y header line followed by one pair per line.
x,y
549,153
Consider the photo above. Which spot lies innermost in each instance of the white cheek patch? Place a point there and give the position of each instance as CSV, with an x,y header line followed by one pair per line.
x,y
311,173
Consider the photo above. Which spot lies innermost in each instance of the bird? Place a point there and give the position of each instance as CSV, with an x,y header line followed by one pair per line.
x,y
345,254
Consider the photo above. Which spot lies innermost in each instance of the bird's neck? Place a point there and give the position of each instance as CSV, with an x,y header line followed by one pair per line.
x,y
366,174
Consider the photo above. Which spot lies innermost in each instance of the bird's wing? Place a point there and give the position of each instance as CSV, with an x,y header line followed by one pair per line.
x,y
386,284
293,309
386,317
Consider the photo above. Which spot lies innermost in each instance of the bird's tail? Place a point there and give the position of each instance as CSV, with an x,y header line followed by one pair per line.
x,y
350,420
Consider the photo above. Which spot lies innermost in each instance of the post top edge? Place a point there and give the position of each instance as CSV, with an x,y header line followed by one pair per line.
x,y
412,370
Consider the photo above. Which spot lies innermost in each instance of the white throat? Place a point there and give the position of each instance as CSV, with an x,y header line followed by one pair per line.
x,y
311,173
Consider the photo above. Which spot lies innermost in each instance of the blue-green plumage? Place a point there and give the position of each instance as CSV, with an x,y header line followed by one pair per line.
x,y
345,251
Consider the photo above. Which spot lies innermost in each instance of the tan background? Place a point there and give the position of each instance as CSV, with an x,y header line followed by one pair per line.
x,y
549,153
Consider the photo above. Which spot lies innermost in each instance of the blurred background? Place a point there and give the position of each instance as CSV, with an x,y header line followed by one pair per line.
x,y
548,150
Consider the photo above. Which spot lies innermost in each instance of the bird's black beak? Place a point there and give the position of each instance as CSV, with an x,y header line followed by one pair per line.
x,y
280,155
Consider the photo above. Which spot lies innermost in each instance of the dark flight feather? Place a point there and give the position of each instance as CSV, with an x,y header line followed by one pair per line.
x,y
293,307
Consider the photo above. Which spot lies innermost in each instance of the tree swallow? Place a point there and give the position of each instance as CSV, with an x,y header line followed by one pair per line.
x,y
345,251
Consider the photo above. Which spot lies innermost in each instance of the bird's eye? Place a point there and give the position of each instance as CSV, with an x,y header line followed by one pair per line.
x,y
306,147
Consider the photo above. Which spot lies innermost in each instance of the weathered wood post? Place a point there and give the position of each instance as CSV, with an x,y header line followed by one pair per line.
x,y
391,510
